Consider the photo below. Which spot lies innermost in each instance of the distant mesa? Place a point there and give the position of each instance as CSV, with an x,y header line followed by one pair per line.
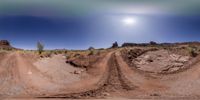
x,y
4,42
5,45
152,43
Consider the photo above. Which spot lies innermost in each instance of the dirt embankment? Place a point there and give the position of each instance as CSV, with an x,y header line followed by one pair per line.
x,y
160,61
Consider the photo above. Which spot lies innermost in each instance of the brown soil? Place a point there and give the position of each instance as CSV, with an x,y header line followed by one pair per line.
x,y
109,76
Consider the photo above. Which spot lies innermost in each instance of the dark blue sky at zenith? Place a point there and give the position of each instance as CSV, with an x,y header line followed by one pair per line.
x,y
73,24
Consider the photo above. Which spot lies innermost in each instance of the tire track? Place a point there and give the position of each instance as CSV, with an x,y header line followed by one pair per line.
x,y
10,83
113,81
116,79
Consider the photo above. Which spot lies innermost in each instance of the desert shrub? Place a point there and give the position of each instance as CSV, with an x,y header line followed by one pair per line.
x,y
40,47
51,51
65,52
91,52
56,52
101,48
98,52
192,46
193,52
45,54
59,52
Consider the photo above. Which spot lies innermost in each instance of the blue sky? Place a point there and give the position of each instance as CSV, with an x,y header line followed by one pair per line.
x,y
74,24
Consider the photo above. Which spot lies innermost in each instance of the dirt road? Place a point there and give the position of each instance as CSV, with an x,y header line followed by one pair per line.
x,y
112,78
178,85
19,77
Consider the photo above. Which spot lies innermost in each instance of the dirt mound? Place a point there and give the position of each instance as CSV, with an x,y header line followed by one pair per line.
x,y
158,60
131,54
134,53
84,61
81,62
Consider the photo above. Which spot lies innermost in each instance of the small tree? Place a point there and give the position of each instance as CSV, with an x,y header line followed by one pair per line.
x,y
40,47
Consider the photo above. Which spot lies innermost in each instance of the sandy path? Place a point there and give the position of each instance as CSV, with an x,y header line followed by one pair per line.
x,y
9,75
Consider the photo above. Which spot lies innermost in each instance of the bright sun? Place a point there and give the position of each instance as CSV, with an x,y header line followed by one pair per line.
x,y
129,21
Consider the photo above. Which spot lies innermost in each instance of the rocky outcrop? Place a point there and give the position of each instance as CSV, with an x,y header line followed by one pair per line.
x,y
4,42
5,45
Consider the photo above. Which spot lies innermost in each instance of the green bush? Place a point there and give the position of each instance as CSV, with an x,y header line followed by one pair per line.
x,y
193,52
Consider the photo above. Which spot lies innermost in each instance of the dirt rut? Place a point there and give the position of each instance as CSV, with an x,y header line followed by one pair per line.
x,y
112,81
9,75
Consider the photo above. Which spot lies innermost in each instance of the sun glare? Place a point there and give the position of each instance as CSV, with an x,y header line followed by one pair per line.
x,y
129,21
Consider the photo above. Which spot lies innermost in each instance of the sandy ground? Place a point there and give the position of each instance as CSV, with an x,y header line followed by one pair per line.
x,y
110,78
58,70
